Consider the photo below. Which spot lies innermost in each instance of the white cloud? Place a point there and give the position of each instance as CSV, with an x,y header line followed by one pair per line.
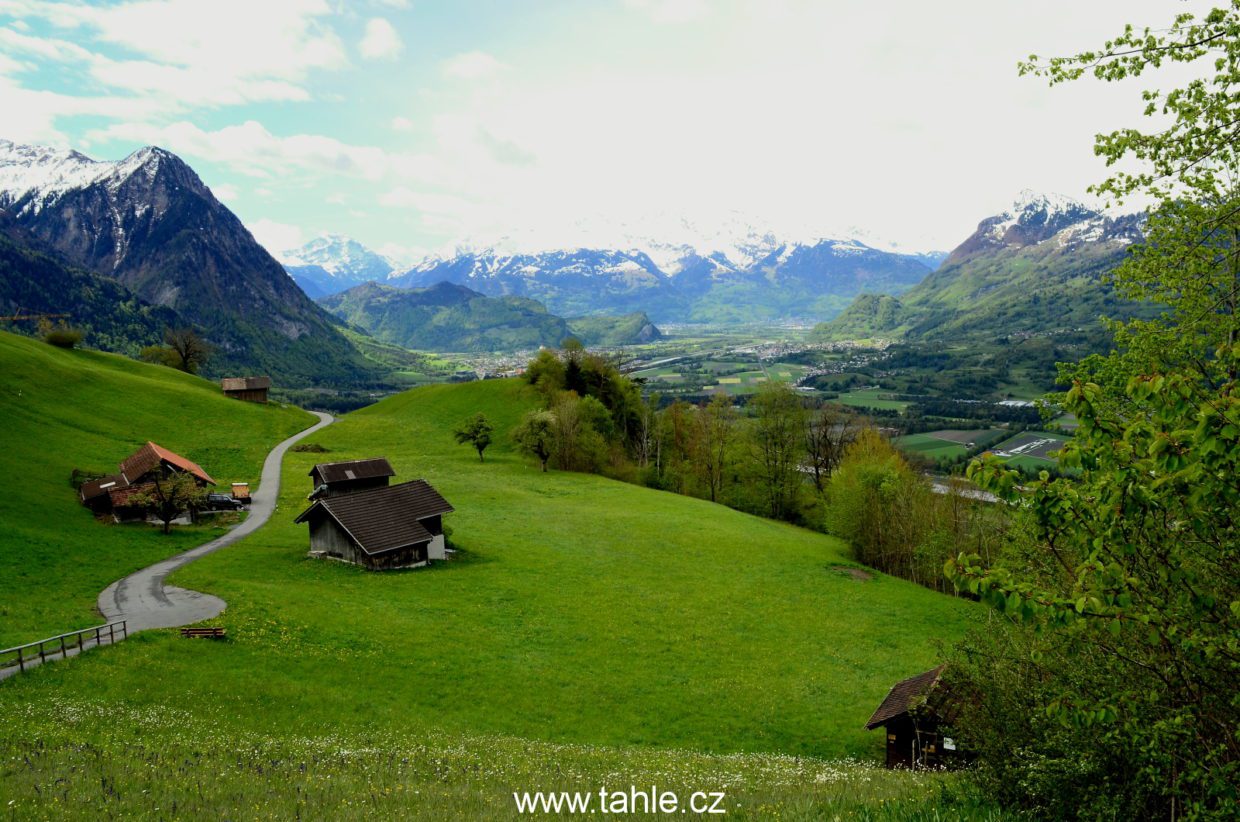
x,y
41,110
381,41
276,237
441,204
670,11
189,53
401,255
473,65
225,193
402,124
252,150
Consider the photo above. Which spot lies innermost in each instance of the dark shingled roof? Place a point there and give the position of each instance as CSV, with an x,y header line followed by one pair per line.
x,y
903,695
353,470
245,383
383,519
101,486
148,458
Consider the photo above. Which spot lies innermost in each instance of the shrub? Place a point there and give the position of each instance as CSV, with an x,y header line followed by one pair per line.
x,y
309,448
80,476
63,337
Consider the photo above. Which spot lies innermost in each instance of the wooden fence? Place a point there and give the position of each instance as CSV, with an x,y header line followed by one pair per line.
x,y
74,642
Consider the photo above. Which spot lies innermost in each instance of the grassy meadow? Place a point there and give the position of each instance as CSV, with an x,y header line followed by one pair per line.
x,y
85,409
589,633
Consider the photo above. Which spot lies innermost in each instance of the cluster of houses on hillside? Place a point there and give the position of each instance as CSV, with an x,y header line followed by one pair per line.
x,y
356,516
120,494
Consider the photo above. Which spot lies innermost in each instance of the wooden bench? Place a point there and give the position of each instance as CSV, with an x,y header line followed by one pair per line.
x,y
214,632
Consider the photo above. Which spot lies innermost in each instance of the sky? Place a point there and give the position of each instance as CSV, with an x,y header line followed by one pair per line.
x,y
418,126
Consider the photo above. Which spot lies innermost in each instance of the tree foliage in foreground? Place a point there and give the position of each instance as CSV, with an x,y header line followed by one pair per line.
x,y
1115,694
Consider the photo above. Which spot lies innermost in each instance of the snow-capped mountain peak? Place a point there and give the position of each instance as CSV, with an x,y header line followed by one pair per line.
x,y
332,263
1035,217
1028,201
35,176
341,257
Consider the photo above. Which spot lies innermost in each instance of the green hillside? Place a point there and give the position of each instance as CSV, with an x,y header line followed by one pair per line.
x,y
84,409
447,317
593,619
1039,288
113,319
582,609
628,329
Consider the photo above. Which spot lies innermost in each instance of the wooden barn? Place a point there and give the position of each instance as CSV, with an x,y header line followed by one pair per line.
x,y
112,494
912,714
391,526
331,479
250,389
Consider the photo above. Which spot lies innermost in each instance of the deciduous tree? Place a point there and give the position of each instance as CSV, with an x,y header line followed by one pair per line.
x,y
535,435
172,496
475,431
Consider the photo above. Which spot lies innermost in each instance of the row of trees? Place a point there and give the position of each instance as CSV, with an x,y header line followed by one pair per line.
x,y
781,455
772,458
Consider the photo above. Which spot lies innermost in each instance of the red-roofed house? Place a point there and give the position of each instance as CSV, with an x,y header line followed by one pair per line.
x,y
112,494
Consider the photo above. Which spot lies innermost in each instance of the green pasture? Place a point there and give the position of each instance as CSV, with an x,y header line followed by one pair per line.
x,y
63,410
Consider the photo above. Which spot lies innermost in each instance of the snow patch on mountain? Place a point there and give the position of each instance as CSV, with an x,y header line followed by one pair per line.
x,y
340,256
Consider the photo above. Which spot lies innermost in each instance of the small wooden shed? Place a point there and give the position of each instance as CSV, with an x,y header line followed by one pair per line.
x,y
396,526
250,389
331,479
912,714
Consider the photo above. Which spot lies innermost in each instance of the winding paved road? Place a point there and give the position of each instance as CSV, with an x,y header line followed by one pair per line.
x,y
142,598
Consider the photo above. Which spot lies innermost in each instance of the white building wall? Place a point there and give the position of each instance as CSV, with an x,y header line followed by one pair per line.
x,y
436,550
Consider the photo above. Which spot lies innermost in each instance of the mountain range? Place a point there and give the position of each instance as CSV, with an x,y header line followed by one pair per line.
x,y
771,280
133,246
450,317
1035,268
149,224
331,264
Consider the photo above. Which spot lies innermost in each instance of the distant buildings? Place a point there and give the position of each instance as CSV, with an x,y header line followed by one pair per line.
x,y
358,517
251,389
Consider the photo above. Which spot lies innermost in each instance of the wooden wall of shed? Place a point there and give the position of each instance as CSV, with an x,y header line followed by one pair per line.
x,y
327,536
914,743
400,558
249,394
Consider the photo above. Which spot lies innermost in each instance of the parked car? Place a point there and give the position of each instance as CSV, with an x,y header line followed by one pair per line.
x,y
223,502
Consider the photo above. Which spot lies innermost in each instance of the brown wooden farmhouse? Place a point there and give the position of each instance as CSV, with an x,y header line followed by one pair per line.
x,y
912,714
113,493
357,517
331,479
252,389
